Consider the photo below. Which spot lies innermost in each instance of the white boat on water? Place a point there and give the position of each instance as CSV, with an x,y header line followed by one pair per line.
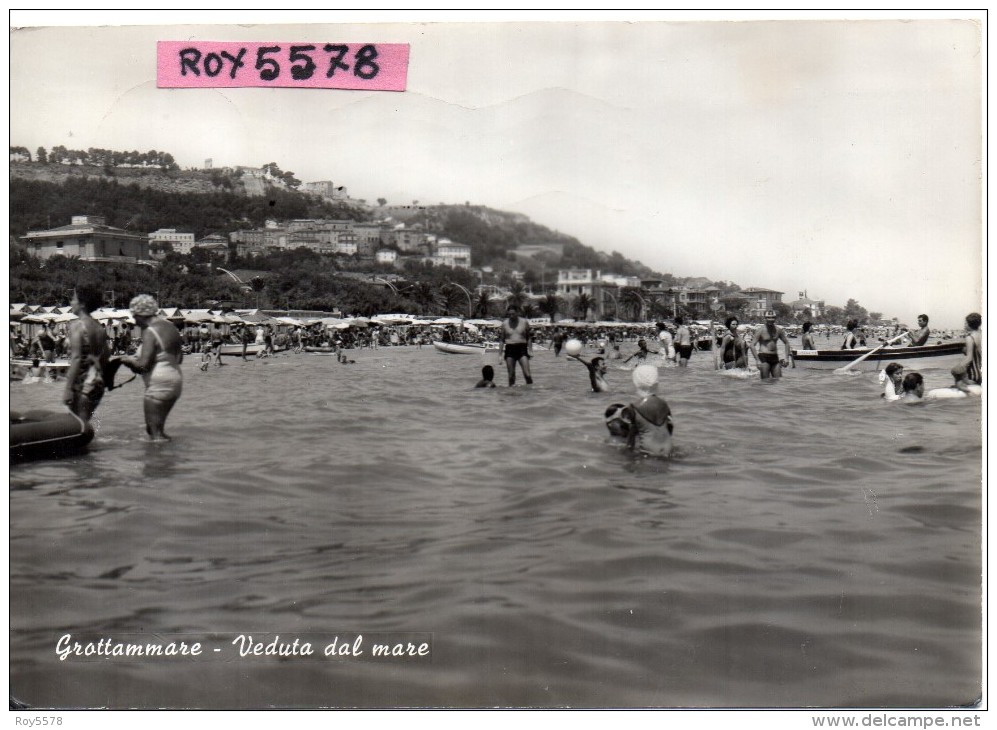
x,y
944,355
461,348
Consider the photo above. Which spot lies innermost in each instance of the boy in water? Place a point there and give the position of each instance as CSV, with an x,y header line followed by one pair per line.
x,y
487,377
619,421
597,372
913,387
641,353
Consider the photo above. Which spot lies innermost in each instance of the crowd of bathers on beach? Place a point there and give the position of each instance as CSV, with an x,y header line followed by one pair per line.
x,y
154,349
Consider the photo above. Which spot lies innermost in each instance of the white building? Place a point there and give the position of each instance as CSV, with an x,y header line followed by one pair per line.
x,y
178,241
457,255
386,256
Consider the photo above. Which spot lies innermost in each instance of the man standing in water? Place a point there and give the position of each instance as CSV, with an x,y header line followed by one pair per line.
x,y
766,339
683,342
515,340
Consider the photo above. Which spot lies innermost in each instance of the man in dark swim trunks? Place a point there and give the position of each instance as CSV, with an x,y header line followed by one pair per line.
x,y
683,342
766,339
515,340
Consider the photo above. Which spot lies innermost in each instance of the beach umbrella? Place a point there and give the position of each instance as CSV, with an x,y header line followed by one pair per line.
x,y
448,320
197,317
67,317
34,319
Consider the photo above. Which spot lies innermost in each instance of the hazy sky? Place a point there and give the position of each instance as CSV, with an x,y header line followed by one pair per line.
x,y
843,158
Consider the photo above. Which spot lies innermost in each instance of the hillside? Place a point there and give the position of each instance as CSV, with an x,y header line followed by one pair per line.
x,y
44,195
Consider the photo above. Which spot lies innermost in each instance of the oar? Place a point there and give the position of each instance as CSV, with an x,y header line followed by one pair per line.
x,y
849,366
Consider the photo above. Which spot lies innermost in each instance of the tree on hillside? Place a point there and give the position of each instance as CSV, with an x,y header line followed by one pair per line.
x,y
41,155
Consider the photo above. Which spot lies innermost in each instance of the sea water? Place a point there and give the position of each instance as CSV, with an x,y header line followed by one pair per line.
x,y
808,545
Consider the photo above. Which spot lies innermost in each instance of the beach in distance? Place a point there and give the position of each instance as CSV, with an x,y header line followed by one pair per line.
x,y
807,545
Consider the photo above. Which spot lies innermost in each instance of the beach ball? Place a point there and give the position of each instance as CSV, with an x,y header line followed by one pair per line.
x,y
573,347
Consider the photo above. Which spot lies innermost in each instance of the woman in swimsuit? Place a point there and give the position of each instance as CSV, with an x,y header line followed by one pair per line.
x,y
88,355
733,347
970,370
851,340
159,362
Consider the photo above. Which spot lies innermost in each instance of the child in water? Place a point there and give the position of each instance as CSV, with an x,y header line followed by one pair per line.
x,y
641,354
487,377
597,372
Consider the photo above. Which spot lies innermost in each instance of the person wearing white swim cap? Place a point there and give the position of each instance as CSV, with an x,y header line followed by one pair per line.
x,y
651,430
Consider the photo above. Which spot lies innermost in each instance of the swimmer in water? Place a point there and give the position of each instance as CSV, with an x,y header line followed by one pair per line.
x,y
651,432
913,388
893,377
619,421
641,353
487,377
597,372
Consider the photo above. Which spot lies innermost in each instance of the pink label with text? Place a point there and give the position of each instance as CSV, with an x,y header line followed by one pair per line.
x,y
209,64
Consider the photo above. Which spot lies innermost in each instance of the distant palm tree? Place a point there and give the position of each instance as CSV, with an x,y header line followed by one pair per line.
x,y
583,303
550,305
630,303
517,295
452,299
425,296
483,305
529,310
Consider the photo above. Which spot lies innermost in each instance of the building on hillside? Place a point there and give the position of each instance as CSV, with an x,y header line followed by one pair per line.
x,y
213,244
456,255
91,239
326,189
572,283
386,256
804,303
697,301
368,238
761,300
170,239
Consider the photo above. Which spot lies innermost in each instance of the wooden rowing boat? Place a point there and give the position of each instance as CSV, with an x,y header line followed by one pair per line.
x,y
944,355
